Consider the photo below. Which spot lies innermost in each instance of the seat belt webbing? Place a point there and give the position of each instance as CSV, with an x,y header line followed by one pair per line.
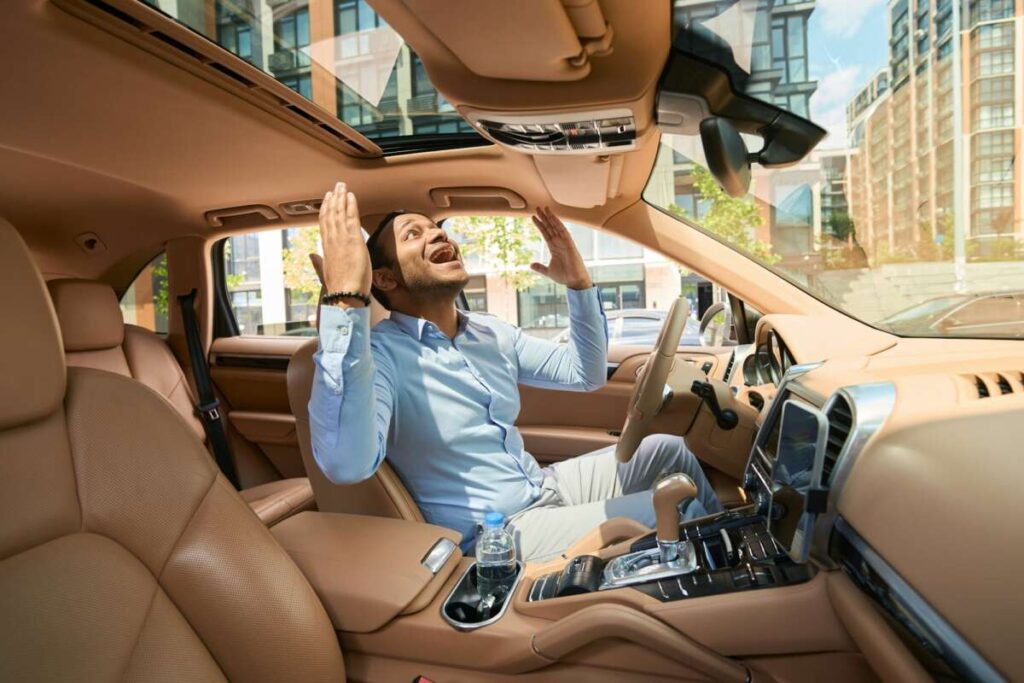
x,y
207,404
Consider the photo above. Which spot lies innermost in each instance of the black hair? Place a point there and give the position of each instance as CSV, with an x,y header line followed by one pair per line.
x,y
379,257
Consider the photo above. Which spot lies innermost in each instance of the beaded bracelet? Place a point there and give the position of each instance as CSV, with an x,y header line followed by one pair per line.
x,y
334,297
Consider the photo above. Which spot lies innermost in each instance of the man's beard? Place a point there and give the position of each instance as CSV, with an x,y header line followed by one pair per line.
x,y
424,287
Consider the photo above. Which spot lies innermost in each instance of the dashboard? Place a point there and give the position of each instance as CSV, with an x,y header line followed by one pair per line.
x,y
920,480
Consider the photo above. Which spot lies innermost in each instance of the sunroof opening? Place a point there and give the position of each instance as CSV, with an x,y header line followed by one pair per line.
x,y
343,57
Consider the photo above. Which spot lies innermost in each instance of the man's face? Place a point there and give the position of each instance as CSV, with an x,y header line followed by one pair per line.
x,y
425,258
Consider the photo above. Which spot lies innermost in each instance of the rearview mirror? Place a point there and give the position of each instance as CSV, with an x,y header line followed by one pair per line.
x,y
726,155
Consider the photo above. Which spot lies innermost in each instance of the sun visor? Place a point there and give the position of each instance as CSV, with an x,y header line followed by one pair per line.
x,y
541,40
583,182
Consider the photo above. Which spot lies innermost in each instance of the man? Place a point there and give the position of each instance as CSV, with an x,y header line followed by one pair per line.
x,y
434,389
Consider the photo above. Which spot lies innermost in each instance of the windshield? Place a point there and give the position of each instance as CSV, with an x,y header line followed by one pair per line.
x,y
911,211
342,56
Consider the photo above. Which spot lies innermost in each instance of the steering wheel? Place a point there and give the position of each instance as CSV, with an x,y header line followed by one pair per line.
x,y
650,393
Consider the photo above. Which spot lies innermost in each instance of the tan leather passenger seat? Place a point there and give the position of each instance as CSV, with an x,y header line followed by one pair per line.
x,y
383,494
124,554
95,336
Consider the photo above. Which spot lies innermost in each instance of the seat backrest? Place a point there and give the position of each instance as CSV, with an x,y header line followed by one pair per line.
x,y
123,552
382,495
95,336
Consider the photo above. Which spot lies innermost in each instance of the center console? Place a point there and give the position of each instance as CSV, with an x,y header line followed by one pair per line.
x,y
794,462
724,553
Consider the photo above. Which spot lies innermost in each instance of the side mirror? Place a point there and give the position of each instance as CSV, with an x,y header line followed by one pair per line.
x,y
726,154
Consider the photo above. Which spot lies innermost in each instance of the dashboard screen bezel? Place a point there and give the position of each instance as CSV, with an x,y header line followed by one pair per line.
x,y
798,547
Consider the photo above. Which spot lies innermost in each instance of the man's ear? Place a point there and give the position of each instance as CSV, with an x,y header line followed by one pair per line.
x,y
384,279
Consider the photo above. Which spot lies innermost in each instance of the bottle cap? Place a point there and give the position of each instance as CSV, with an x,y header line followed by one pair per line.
x,y
494,519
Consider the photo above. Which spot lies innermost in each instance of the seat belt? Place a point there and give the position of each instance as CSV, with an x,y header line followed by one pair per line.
x,y
207,404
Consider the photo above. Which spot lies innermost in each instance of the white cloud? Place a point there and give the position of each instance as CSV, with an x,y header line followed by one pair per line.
x,y
838,86
828,104
842,18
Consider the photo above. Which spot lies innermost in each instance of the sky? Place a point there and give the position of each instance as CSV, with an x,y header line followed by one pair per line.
x,y
848,44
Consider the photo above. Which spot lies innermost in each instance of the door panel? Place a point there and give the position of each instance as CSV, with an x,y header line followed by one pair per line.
x,y
562,424
251,375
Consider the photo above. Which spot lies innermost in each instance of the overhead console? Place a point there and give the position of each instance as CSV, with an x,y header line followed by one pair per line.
x,y
561,133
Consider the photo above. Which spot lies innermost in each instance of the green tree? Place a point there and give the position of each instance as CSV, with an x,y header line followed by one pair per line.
x,y
506,243
232,280
160,288
299,275
732,219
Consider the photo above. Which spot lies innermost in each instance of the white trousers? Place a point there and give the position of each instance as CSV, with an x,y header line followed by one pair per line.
x,y
580,493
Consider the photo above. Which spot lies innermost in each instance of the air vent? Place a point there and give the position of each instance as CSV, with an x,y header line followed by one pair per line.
x,y
840,423
578,133
992,384
158,34
728,367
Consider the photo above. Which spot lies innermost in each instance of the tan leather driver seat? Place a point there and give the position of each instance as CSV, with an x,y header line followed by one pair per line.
x,y
124,554
383,494
95,336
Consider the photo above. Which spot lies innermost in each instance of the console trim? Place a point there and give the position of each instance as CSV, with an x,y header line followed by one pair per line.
x,y
871,404
462,626
957,652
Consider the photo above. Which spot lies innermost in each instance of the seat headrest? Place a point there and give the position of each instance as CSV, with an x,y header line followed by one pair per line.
x,y
31,358
88,313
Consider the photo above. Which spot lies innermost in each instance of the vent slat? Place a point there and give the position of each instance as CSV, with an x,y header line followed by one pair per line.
x,y
728,367
840,423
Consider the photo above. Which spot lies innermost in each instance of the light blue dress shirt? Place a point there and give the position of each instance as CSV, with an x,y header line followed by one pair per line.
x,y
442,410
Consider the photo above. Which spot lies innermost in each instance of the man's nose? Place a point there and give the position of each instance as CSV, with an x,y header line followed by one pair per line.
x,y
438,235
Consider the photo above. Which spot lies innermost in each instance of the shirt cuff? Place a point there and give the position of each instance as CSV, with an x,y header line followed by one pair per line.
x,y
340,326
584,300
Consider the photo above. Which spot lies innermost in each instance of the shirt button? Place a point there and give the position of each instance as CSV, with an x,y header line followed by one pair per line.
x,y
343,331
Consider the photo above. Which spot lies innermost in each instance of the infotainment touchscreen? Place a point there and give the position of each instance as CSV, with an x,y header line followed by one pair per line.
x,y
796,475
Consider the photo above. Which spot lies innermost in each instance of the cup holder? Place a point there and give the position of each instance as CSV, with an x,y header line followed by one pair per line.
x,y
462,608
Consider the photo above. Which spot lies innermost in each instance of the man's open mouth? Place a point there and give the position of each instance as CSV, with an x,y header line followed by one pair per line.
x,y
444,253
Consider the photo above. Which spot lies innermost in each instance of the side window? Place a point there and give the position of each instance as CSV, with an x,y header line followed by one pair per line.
x,y
271,285
144,303
636,285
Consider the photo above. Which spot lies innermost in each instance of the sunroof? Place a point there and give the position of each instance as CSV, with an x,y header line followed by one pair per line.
x,y
343,57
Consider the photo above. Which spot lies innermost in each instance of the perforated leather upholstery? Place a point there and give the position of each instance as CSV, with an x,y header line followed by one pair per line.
x,y
124,554
95,336
382,495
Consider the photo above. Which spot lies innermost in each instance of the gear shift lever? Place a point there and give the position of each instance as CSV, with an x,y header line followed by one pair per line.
x,y
668,494
672,557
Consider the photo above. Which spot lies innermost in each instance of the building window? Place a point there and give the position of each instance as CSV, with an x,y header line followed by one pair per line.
x,y
545,306
351,16
990,10
235,30
302,84
476,293
994,196
291,33
440,127
993,102
789,47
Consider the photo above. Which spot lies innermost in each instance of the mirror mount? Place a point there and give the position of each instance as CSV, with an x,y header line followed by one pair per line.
x,y
726,155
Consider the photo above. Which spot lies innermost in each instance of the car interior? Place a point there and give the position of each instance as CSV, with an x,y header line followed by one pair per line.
x,y
862,431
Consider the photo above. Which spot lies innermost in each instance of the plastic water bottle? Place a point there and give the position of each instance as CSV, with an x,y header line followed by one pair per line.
x,y
495,559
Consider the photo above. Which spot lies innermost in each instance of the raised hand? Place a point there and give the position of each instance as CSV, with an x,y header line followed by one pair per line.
x,y
566,266
346,262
